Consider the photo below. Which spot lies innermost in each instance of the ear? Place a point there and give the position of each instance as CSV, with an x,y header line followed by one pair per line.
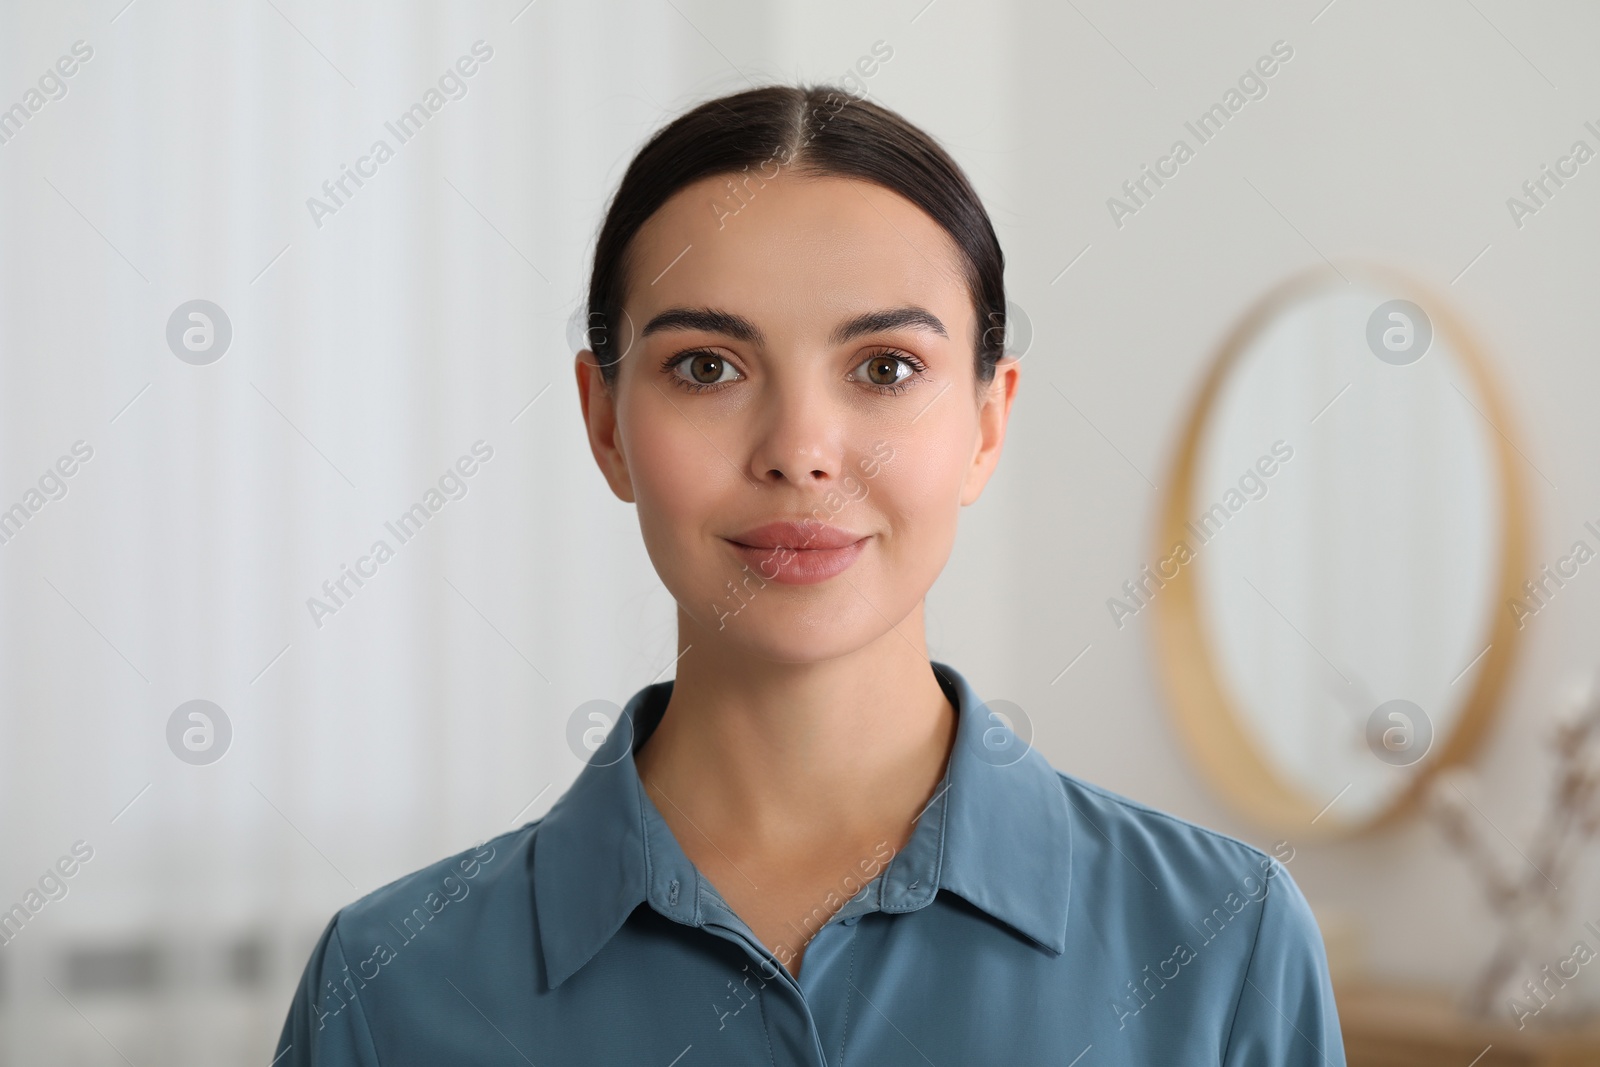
x,y
599,406
993,412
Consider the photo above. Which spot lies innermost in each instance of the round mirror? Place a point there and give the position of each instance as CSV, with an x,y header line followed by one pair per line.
x,y
1341,540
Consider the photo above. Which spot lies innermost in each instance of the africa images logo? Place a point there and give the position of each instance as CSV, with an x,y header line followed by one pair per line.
x,y
452,888
452,86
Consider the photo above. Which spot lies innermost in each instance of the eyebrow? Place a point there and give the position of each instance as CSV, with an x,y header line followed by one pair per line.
x,y
712,320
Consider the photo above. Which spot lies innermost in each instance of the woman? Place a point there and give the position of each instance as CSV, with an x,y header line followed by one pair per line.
x,y
814,845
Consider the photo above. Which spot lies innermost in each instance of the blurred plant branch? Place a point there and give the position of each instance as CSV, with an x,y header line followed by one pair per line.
x,y
1527,899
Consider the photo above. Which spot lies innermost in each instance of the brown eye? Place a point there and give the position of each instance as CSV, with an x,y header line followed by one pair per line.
x,y
886,370
883,371
704,370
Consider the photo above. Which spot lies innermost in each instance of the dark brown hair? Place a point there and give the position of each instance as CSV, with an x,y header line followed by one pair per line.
x,y
819,130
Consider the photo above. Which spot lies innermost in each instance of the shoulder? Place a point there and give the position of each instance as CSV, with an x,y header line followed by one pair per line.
x,y
353,991
1133,859
467,880
1183,846
1188,896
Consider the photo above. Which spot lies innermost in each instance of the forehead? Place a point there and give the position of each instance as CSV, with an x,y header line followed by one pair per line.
x,y
797,254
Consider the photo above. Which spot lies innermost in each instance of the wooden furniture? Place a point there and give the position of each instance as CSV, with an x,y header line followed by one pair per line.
x,y
1402,1027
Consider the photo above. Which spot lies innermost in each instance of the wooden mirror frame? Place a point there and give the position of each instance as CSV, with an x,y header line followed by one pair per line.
x,y
1203,709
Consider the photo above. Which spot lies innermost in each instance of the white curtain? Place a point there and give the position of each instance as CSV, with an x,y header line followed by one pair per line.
x,y
372,348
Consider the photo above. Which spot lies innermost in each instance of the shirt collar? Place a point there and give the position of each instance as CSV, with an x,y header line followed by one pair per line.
x,y
997,833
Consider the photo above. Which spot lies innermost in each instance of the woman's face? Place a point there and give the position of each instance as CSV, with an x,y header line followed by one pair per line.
x,y
804,358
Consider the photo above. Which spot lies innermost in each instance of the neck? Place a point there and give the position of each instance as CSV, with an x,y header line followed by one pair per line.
x,y
779,755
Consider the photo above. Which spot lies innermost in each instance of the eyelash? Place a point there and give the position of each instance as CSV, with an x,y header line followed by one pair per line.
x,y
917,370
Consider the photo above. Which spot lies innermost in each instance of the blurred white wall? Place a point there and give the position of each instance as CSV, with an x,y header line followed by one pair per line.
x,y
370,352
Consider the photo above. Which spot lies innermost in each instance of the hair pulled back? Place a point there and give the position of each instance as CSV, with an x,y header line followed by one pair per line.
x,y
818,131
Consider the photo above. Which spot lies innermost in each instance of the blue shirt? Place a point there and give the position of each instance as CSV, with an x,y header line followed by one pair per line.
x,y
1031,918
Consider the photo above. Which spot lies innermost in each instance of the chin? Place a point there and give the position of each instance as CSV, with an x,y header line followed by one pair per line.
x,y
780,647
794,632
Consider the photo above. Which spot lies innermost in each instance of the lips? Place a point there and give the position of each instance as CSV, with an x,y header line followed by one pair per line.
x,y
801,536
798,553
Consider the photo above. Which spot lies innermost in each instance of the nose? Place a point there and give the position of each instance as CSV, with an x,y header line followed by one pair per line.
x,y
801,436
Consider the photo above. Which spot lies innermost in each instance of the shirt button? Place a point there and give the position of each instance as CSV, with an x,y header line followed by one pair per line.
x,y
850,921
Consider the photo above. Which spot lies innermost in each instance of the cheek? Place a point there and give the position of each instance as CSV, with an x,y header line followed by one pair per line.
x,y
919,489
680,484
672,467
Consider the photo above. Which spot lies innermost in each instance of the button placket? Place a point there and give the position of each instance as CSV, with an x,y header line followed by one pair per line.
x,y
787,981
